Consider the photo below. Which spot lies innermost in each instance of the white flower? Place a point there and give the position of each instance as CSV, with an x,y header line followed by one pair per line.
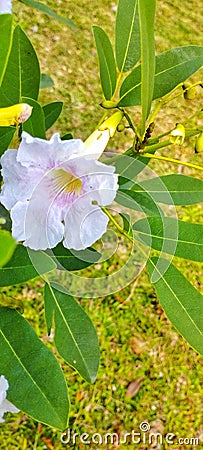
x,y
54,190
5,6
5,405
177,135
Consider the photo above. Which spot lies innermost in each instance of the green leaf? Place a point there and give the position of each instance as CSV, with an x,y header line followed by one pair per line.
x,y
35,125
36,382
172,67
127,167
75,336
22,75
130,92
67,137
45,81
127,35
7,246
173,236
6,136
175,66
74,260
51,113
20,268
146,18
46,10
138,201
175,189
182,303
126,222
5,218
6,21
106,62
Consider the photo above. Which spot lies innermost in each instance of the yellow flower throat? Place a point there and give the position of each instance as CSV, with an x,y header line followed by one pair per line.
x,y
66,182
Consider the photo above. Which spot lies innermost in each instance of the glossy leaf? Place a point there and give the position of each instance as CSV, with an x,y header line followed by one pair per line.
x,y
182,303
20,268
175,66
6,136
127,167
106,62
75,336
74,260
36,382
35,125
146,18
173,236
172,68
46,10
45,81
7,246
127,35
51,113
138,201
175,189
23,69
5,41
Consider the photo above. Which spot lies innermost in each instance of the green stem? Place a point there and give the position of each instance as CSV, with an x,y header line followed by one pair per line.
x,y
176,161
152,148
119,228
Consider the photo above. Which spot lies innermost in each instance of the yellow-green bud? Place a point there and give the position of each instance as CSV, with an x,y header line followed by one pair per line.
x,y
120,127
111,123
189,91
108,104
199,143
177,135
15,114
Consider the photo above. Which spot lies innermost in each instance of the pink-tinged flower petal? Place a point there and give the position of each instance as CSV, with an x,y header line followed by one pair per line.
x,y
36,152
5,6
96,177
43,226
19,182
85,223
49,182
18,215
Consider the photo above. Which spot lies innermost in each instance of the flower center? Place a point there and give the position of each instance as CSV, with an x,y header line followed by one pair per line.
x,y
66,182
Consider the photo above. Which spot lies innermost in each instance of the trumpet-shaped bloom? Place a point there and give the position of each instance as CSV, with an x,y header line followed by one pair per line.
x,y
5,6
5,405
54,190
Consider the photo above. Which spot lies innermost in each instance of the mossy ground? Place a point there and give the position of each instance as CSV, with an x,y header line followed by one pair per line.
x,y
138,344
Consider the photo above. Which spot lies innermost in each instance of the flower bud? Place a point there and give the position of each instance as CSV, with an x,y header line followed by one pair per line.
x,y
189,91
177,135
199,143
111,123
120,127
15,114
108,104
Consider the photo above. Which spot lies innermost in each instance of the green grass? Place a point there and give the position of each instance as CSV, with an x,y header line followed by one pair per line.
x,y
137,341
